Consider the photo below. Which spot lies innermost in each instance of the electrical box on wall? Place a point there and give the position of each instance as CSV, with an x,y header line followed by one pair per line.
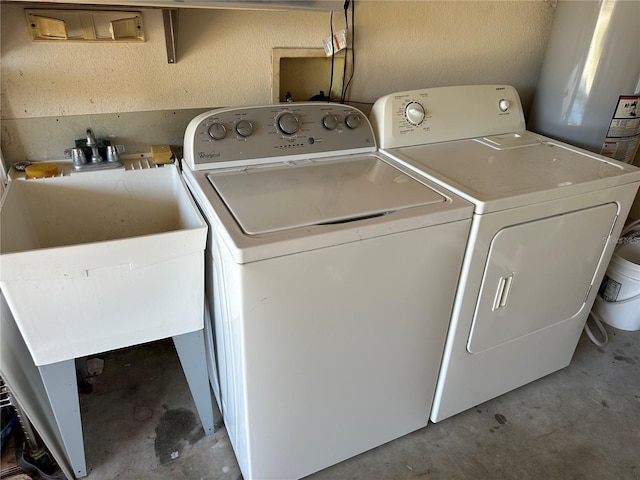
x,y
85,25
302,74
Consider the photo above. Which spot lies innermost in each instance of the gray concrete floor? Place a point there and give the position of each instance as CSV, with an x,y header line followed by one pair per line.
x,y
582,422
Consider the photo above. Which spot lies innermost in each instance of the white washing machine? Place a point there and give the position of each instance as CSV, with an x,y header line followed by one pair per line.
x,y
546,219
332,275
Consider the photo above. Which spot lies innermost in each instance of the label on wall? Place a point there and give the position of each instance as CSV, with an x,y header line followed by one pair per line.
x,y
623,136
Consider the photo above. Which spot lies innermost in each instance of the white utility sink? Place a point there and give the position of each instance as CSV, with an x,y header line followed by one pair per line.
x,y
101,260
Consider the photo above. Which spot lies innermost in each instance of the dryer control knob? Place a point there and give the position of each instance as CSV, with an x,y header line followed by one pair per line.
x,y
330,122
288,123
415,113
217,131
244,128
504,105
353,120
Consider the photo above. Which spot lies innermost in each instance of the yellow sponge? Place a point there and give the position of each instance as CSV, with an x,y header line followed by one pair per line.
x,y
161,154
41,170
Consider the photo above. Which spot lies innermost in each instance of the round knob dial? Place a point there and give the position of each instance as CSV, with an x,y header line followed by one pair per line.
x,y
353,120
217,131
288,123
244,128
504,105
414,113
330,122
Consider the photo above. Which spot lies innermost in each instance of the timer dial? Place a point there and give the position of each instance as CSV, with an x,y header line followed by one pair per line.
x,y
504,104
288,123
415,113
244,128
353,120
330,122
217,131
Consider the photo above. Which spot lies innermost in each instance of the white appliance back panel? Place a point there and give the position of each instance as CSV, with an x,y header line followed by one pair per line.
x,y
450,113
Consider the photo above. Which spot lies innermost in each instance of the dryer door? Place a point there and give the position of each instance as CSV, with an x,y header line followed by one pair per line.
x,y
539,273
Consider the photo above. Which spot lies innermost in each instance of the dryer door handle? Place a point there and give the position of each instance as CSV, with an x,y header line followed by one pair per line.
x,y
502,294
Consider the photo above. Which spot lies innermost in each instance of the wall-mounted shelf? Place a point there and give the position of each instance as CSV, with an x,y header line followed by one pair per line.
x,y
61,24
85,25
317,5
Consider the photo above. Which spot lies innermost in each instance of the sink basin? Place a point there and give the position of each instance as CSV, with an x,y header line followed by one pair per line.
x,y
101,260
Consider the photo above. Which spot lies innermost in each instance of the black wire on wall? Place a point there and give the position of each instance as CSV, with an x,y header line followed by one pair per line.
x,y
350,31
333,57
349,54
345,87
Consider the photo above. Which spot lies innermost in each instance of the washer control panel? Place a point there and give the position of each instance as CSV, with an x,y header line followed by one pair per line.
x,y
230,137
442,114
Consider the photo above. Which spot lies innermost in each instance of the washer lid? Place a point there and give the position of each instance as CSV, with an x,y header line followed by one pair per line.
x,y
286,196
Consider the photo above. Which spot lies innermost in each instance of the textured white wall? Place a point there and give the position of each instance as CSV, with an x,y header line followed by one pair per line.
x,y
224,57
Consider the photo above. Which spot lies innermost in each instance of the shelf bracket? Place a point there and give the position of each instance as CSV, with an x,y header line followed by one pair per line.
x,y
170,18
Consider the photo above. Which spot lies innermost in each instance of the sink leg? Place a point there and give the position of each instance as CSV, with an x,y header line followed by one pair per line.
x,y
191,352
62,389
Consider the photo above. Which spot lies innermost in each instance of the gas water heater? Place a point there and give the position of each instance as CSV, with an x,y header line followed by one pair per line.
x,y
588,93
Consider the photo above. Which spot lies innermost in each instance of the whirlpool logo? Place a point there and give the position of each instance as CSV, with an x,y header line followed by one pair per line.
x,y
208,155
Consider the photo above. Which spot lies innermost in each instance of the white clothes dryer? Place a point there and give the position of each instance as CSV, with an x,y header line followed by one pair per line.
x,y
546,219
331,272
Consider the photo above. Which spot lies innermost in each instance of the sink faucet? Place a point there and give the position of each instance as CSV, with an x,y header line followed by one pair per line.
x,y
103,155
91,142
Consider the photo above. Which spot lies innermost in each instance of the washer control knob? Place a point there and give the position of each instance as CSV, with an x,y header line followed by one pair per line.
x,y
288,123
244,128
415,113
330,122
504,104
353,120
217,131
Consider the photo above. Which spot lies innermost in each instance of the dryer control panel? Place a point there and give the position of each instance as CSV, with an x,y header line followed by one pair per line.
x,y
431,115
232,137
